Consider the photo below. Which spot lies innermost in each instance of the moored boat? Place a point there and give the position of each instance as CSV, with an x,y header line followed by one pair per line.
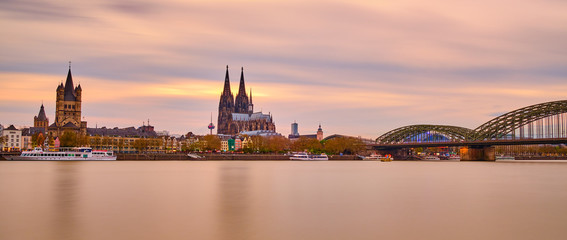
x,y
378,157
76,154
504,157
455,157
303,156
430,158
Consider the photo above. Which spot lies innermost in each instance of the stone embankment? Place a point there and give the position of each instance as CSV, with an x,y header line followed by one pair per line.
x,y
218,157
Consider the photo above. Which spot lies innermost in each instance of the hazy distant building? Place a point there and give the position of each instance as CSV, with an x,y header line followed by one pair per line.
x,y
294,129
238,116
319,135
67,109
145,131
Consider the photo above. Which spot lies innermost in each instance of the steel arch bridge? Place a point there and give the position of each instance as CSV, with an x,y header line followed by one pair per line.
x,y
523,120
540,121
433,133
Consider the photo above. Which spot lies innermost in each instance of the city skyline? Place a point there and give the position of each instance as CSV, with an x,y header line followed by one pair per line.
x,y
357,68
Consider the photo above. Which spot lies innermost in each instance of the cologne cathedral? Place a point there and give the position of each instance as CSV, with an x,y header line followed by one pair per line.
x,y
237,115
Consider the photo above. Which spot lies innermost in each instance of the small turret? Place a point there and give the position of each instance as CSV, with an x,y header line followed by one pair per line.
x,y
78,91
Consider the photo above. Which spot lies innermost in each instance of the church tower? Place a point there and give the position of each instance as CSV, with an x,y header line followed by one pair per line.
x,y
41,120
319,133
226,107
241,102
68,108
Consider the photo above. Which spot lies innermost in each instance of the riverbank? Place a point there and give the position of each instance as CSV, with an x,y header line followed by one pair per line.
x,y
219,157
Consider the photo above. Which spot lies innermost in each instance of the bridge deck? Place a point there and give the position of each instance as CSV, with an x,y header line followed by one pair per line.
x,y
528,141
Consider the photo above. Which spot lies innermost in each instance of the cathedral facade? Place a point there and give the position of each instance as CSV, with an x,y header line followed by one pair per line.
x,y
67,109
237,115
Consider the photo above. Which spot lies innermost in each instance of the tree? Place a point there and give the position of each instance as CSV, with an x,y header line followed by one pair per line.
x,y
347,145
307,144
83,140
277,144
68,139
38,139
212,142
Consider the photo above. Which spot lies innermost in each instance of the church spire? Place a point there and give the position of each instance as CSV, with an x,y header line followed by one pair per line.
x,y
226,82
242,87
241,101
69,88
250,104
41,116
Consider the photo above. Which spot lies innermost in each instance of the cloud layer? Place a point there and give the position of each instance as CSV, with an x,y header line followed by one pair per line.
x,y
356,67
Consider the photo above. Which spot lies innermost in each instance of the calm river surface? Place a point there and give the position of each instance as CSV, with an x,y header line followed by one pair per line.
x,y
283,200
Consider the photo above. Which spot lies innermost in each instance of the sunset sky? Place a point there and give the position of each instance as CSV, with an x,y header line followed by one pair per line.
x,y
359,68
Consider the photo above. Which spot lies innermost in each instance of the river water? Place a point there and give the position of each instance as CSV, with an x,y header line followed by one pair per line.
x,y
283,200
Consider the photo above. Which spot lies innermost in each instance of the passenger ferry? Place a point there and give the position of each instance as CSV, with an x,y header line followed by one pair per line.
x,y
455,158
505,157
430,158
303,156
374,156
76,154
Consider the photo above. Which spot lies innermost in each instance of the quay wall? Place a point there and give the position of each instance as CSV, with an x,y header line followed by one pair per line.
x,y
218,157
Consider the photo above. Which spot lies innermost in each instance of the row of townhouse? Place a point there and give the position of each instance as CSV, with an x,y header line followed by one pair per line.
x,y
235,144
14,139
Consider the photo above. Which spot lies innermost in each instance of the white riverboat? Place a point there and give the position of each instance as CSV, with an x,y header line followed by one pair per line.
x,y
76,154
378,157
505,158
303,156
430,158
455,158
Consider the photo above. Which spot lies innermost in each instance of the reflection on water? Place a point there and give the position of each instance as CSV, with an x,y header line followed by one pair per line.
x,y
233,200
282,200
65,201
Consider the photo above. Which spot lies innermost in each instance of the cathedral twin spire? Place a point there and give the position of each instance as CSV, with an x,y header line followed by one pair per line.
x,y
241,104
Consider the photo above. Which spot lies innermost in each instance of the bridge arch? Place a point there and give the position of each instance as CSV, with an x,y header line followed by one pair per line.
x,y
506,124
428,132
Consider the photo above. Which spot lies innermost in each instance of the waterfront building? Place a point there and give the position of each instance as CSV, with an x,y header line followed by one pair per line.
x,y
238,116
224,145
26,139
237,144
67,109
246,142
12,139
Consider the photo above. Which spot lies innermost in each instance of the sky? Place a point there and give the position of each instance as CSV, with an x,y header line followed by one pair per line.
x,y
358,68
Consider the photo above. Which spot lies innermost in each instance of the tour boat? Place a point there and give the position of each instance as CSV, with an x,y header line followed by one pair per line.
x,y
503,157
375,156
309,157
430,158
76,154
455,157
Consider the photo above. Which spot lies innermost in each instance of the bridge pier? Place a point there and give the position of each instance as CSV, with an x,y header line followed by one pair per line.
x,y
480,153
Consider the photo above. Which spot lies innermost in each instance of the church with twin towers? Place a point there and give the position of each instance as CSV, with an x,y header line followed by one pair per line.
x,y
237,114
